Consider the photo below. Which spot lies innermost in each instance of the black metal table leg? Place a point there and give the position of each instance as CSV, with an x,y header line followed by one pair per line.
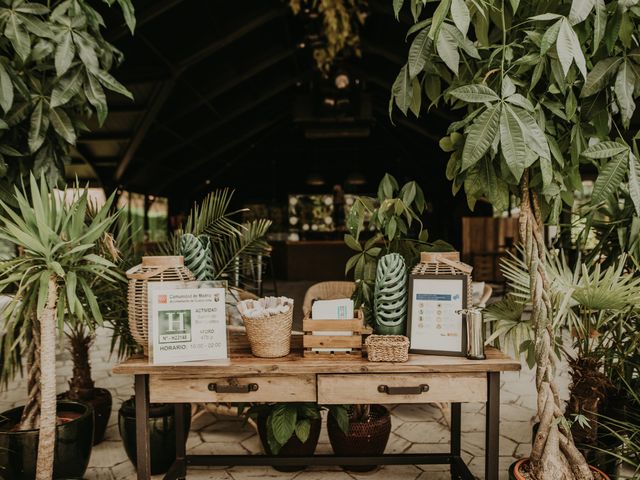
x,y
492,445
455,436
143,455
181,457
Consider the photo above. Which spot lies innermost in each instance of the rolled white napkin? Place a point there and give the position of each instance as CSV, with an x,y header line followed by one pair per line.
x,y
265,307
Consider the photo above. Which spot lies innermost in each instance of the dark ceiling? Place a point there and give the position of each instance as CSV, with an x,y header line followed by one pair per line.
x,y
226,95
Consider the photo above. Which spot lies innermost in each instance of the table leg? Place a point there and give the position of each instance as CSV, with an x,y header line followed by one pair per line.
x,y
143,454
492,443
455,436
181,458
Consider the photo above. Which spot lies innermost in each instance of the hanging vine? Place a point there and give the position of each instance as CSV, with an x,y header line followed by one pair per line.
x,y
341,22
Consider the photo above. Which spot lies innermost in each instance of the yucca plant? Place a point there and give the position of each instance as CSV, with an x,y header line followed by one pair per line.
x,y
50,280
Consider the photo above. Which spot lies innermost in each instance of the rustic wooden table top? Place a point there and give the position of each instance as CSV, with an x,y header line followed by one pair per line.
x,y
241,362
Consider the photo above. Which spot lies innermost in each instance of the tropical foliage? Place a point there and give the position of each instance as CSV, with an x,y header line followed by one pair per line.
x,y
390,216
541,88
52,279
54,69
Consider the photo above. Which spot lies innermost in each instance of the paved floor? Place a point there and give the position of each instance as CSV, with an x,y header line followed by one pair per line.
x,y
415,428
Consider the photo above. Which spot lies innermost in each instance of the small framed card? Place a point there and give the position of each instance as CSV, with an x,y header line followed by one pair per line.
x,y
187,321
434,327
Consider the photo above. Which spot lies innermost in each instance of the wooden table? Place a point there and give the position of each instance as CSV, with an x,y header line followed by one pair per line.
x,y
244,378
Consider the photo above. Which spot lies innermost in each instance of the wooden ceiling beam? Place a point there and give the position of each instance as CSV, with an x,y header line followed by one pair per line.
x,y
162,93
194,165
221,43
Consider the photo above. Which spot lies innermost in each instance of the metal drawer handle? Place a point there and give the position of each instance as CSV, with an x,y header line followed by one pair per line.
x,y
220,388
403,390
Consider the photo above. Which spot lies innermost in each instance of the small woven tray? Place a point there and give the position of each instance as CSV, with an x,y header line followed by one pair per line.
x,y
387,348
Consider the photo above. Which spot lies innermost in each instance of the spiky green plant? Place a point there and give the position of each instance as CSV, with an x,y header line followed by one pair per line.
x,y
57,268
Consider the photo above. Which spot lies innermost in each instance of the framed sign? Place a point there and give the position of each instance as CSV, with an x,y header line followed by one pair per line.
x,y
434,327
187,321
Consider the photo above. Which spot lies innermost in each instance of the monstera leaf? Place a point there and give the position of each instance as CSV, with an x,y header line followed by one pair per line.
x,y
390,295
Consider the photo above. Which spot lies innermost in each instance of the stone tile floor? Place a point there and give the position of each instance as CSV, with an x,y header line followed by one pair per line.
x,y
415,428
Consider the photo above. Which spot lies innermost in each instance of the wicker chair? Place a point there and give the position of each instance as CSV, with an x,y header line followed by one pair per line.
x,y
326,291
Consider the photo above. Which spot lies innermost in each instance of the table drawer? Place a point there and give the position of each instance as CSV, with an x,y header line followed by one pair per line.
x,y
402,388
299,388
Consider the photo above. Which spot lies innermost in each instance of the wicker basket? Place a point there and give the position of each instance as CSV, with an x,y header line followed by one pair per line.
x,y
387,348
152,269
270,336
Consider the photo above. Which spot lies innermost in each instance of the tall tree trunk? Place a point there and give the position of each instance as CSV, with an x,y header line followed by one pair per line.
x,y
48,414
31,412
81,384
553,454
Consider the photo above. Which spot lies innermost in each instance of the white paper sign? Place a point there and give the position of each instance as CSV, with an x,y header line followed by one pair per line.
x,y
435,325
187,322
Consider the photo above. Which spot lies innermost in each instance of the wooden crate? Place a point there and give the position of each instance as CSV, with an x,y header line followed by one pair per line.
x,y
353,341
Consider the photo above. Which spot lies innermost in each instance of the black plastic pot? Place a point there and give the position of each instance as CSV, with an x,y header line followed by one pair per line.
x,y
162,433
101,401
74,439
294,447
363,439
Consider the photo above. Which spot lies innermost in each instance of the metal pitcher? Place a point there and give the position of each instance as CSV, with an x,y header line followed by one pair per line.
x,y
475,333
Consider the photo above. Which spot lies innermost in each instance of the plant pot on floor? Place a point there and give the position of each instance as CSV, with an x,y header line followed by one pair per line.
x,y
363,439
162,433
518,468
74,439
294,447
101,401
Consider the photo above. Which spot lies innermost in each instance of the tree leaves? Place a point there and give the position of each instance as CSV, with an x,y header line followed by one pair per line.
x,y
610,178
580,10
461,16
62,125
65,52
606,149
634,181
18,35
599,75
480,136
6,89
569,49
39,126
447,47
624,86
512,141
67,88
419,52
475,93
112,84
402,90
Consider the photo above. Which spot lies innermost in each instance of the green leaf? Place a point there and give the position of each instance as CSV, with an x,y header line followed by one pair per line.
x,y
520,101
610,178
341,416
283,422
62,125
95,94
432,87
569,49
70,286
439,15
623,87
129,14
634,181
461,16
419,52
17,34
606,149
545,17
65,52
397,6
580,10
416,97
112,84
67,87
480,136
303,429
402,90
6,89
550,37
599,24
91,300
87,53
475,93
39,125
599,76
352,243
535,138
513,143
447,47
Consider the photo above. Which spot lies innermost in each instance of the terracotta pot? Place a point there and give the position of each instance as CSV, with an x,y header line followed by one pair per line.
x,y
74,437
294,447
363,439
101,401
514,470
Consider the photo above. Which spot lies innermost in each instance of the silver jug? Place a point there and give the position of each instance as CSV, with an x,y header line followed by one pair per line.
x,y
475,333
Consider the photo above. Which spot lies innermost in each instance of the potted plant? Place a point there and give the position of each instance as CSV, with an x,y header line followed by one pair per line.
x,y
50,280
359,430
287,429
544,87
